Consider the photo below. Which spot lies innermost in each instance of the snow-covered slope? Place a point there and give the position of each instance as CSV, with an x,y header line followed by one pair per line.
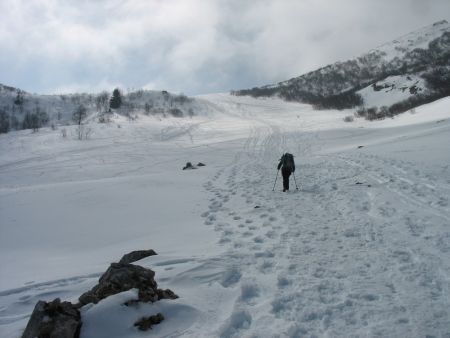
x,y
421,38
361,249
391,90
423,55
58,109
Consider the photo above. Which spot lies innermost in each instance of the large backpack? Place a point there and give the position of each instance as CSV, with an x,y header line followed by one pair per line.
x,y
288,161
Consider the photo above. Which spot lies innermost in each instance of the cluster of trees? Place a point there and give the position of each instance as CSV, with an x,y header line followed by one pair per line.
x,y
17,114
438,79
9,119
375,113
170,103
256,92
31,120
130,102
4,122
35,120
344,100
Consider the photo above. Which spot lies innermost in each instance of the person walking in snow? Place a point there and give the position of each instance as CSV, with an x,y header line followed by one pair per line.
x,y
287,166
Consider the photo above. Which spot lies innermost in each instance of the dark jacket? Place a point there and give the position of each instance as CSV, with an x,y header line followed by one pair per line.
x,y
285,164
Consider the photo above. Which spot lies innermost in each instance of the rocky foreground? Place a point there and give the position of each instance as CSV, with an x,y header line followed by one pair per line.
x,y
58,319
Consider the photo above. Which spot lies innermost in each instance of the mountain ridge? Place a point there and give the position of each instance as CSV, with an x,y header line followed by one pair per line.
x,y
337,85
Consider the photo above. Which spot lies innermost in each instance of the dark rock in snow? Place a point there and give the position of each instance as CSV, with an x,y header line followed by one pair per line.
x,y
63,320
200,164
359,147
122,277
189,166
54,320
149,297
166,294
146,323
137,255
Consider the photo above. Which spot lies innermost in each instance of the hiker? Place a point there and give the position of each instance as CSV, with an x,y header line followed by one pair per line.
x,y
287,166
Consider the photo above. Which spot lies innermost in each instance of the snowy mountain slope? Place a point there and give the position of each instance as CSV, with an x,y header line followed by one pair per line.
x,y
423,54
421,38
392,89
360,250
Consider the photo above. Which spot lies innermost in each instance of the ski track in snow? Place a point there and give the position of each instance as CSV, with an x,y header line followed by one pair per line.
x,y
361,249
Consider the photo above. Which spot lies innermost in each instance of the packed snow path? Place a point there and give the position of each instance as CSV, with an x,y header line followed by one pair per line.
x,y
361,249
336,257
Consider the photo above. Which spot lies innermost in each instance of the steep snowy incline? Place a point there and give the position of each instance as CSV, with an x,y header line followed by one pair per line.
x,y
361,249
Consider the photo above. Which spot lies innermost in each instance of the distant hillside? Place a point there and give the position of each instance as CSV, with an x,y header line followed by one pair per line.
x,y
22,110
407,72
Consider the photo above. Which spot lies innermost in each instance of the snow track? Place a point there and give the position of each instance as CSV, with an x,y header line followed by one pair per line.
x,y
358,251
331,259
362,249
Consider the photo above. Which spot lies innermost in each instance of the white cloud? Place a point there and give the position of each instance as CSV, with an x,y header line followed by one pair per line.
x,y
191,45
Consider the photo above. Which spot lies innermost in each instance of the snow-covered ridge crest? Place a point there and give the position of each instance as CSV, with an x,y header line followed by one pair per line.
x,y
417,39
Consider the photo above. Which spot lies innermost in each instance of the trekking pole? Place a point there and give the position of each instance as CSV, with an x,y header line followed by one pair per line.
x,y
273,189
295,181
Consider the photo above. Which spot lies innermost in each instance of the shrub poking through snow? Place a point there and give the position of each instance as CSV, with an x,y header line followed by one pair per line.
x,y
146,323
349,118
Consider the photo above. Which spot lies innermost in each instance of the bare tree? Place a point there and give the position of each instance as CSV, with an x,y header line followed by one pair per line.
x,y
19,100
4,122
79,114
83,132
102,102
148,107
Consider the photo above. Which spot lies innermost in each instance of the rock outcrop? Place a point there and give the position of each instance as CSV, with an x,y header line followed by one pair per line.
x,y
122,277
189,166
54,320
58,319
137,255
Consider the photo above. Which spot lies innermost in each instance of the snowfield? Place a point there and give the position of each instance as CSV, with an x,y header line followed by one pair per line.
x,y
362,249
394,89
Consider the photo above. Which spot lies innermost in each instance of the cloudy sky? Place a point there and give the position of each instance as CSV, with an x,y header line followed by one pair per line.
x,y
191,46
